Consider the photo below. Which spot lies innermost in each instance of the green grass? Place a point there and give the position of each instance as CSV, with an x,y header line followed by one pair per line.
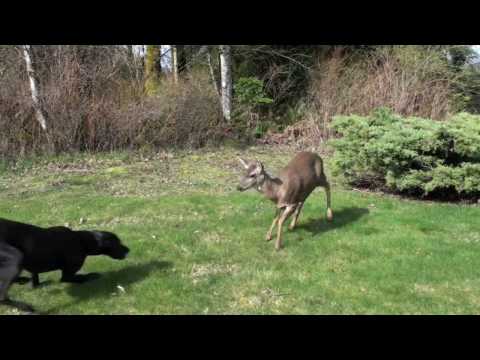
x,y
197,245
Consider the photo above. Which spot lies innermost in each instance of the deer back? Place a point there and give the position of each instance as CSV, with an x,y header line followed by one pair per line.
x,y
300,177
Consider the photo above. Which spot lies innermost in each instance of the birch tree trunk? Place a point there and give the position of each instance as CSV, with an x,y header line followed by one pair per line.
x,y
174,63
34,88
138,60
226,80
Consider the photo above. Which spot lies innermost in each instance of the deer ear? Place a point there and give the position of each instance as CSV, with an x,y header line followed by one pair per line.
x,y
243,162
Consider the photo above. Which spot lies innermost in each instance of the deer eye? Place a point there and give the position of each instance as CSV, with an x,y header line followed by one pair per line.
x,y
252,175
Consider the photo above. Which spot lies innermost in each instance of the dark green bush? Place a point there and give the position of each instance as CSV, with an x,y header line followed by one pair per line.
x,y
250,101
410,155
250,92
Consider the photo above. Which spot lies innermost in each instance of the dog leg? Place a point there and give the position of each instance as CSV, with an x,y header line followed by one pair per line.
x,y
35,280
69,273
10,269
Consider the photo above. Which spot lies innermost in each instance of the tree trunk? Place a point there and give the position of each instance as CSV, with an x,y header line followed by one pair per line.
x,y
182,56
174,63
153,69
226,80
137,60
130,52
34,88
212,73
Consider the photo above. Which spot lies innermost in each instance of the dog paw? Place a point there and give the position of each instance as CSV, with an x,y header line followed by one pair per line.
x,y
80,278
22,280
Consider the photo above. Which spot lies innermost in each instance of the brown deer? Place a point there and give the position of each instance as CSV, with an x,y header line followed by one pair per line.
x,y
289,190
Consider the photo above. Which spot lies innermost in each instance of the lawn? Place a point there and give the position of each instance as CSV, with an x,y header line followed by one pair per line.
x,y
197,245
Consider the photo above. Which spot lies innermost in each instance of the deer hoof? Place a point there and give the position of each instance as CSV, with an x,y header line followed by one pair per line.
x,y
329,215
268,237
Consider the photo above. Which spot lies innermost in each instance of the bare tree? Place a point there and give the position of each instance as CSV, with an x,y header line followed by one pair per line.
x,y
34,88
174,63
226,80
212,73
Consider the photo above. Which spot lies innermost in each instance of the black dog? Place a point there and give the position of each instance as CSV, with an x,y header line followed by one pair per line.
x,y
39,250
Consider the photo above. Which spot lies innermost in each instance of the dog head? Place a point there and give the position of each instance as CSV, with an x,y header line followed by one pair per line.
x,y
109,244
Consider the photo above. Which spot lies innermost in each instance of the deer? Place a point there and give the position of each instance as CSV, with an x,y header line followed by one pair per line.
x,y
289,190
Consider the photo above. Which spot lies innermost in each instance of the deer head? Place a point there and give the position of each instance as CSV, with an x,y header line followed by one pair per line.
x,y
254,176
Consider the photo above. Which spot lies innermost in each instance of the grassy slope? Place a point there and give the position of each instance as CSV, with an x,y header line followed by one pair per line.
x,y
198,246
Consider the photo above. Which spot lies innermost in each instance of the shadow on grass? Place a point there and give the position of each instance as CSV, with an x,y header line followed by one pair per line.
x,y
340,218
108,281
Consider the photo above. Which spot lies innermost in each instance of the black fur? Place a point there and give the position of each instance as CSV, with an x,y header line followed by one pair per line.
x,y
39,250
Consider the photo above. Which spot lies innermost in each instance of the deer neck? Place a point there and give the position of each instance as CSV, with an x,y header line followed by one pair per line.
x,y
270,187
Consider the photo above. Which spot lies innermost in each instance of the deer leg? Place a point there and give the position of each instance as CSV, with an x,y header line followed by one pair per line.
x,y
296,214
329,208
269,234
286,213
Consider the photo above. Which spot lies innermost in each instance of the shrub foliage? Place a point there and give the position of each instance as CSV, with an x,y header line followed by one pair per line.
x,y
410,155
